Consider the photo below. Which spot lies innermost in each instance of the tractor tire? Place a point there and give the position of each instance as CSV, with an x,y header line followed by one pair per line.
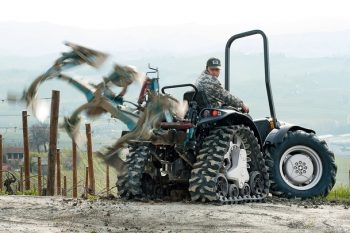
x,y
130,183
208,179
301,166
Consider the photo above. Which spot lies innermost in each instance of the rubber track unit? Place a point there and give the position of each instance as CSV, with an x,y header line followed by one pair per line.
x,y
312,140
202,185
129,183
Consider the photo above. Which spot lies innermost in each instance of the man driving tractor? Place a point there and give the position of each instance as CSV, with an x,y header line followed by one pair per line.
x,y
209,83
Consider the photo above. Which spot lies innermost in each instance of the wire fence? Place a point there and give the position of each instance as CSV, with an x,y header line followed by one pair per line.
x,y
16,186
20,182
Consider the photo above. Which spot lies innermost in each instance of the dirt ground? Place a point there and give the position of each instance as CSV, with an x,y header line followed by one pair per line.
x,y
56,214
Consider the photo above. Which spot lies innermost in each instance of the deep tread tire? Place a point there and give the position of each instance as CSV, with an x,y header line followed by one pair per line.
x,y
129,183
203,182
329,168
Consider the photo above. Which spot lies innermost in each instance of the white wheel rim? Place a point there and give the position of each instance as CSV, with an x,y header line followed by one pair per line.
x,y
301,167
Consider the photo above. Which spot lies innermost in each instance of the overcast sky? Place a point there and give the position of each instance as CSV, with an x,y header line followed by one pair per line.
x,y
274,16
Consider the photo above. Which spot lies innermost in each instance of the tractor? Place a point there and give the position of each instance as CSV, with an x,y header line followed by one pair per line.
x,y
223,155
209,154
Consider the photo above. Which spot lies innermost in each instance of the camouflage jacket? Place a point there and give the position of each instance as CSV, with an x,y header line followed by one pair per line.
x,y
216,94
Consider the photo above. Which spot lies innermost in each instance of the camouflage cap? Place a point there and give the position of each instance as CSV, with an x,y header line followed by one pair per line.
x,y
214,62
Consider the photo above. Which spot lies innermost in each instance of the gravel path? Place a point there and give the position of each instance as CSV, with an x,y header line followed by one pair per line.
x,y
55,214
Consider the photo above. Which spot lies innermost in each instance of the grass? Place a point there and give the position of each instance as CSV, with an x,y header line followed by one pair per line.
x,y
31,192
339,193
341,190
343,164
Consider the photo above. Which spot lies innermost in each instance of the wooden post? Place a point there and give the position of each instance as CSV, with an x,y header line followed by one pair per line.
x,y
107,179
44,189
53,143
26,150
86,181
64,193
39,177
58,173
1,162
90,160
21,180
75,176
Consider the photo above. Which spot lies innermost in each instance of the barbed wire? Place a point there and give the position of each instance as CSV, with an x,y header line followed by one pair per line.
x,y
105,191
43,98
80,186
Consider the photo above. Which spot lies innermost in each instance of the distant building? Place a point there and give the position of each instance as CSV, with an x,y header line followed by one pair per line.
x,y
13,157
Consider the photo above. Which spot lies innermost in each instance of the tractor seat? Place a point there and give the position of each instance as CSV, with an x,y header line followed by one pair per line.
x,y
201,98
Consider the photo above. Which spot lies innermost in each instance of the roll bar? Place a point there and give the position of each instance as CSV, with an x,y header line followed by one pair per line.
x,y
266,65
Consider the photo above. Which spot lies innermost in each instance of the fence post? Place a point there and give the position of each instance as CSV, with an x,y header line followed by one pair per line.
x,y
58,173
1,162
55,100
107,179
64,193
39,177
86,181
21,180
90,160
26,150
44,189
75,176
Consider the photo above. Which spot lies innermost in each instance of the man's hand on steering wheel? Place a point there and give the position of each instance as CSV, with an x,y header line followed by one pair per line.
x,y
245,108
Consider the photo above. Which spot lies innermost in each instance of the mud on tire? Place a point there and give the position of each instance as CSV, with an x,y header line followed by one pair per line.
x,y
306,149
210,161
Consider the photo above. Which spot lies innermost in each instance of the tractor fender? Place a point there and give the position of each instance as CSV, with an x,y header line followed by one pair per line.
x,y
232,118
276,135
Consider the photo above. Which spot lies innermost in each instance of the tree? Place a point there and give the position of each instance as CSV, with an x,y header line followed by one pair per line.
x,y
39,136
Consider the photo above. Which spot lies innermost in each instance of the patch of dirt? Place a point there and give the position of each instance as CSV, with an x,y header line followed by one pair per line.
x,y
56,214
